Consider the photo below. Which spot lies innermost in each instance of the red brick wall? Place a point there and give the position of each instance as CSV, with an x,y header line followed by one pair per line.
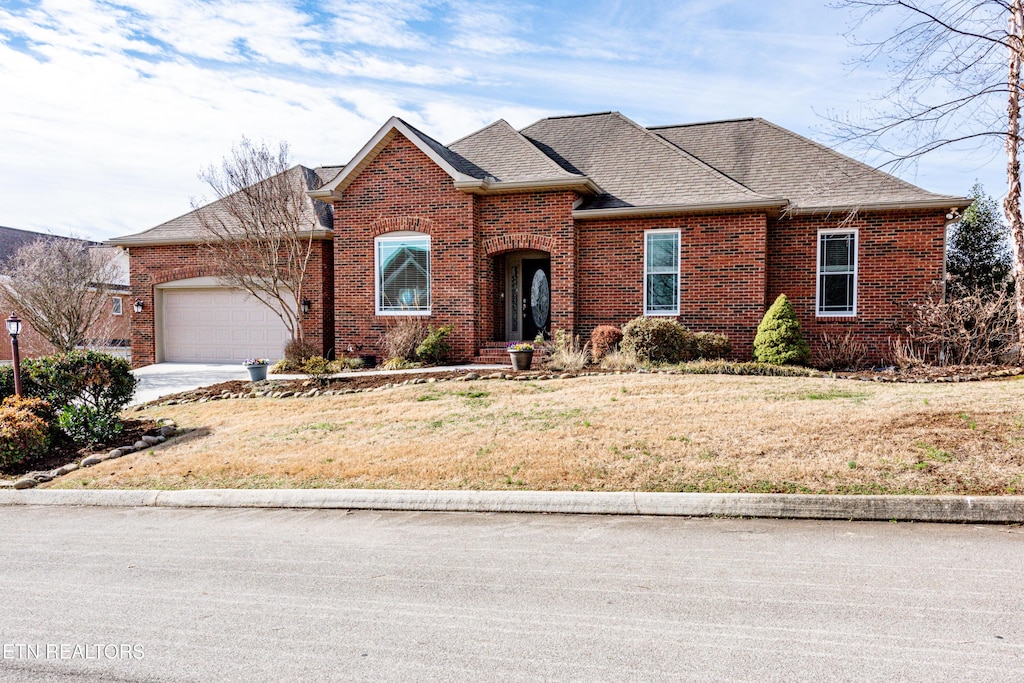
x,y
110,327
402,189
900,260
150,266
512,222
721,278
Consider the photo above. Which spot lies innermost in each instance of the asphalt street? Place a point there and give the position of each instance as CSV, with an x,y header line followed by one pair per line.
x,y
131,594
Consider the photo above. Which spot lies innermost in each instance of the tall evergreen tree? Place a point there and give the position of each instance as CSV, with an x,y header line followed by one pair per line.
x,y
978,249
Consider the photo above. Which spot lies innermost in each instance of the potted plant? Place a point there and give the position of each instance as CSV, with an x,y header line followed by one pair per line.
x,y
257,368
521,354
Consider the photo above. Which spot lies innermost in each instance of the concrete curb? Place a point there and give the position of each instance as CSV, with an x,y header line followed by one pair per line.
x,y
1003,509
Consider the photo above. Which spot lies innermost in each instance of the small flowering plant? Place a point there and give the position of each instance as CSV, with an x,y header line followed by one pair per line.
x,y
253,362
519,346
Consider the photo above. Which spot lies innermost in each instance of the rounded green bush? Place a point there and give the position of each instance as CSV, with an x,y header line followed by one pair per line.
x,y
779,340
657,340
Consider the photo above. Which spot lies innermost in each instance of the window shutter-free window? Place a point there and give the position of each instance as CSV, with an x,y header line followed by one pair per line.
x,y
403,274
837,273
661,272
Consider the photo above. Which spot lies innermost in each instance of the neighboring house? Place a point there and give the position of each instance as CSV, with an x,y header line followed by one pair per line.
x,y
579,221
110,334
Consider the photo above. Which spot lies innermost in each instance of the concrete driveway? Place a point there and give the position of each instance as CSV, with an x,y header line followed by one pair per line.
x,y
163,379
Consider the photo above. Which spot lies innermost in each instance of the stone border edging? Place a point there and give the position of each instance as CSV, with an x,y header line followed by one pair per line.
x,y
981,509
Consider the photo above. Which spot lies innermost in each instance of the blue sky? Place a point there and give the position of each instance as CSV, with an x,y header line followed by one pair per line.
x,y
110,108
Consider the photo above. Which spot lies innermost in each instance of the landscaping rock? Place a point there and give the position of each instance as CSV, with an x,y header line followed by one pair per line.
x,y
141,445
70,467
93,460
495,375
470,377
126,449
5,484
168,430
114,454
26,483
41,477
150,440
161,438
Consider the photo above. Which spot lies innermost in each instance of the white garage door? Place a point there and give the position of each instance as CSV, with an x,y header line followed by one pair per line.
x,y
219,326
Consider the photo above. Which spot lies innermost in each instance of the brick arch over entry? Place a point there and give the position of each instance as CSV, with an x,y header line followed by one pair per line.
x,y
401,223
516,242
183,273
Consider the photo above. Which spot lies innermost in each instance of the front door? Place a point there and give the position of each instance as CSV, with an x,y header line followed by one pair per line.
x,y
536,298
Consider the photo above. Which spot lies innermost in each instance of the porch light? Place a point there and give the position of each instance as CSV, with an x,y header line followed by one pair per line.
x,y
306,304
137,306
14,329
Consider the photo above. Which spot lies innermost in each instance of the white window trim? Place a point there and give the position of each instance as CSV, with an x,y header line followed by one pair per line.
x,y
119,308
679,253
817,273
399,236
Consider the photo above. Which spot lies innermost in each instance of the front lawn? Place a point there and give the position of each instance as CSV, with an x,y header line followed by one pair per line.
x,y
634,432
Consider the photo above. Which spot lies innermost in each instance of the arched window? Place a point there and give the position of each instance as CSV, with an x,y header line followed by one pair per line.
x,y
402,266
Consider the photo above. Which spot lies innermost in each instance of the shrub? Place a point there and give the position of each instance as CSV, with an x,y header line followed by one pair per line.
x,y
28,385
711,346
397,363
402,338
284,366
779,340
567,354
435,348
24,430
299,351
96,385
656,340
618,361
727,367
840,352
87,426
603,339
318,368
352,362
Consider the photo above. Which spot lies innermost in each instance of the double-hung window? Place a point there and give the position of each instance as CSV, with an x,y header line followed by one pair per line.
x,y
402,271
115,305
837,273
661,272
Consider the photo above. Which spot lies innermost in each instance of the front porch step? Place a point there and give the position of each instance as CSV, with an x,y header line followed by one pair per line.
x,y
494,353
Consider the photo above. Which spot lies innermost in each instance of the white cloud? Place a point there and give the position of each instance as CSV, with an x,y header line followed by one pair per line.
x,y
109,108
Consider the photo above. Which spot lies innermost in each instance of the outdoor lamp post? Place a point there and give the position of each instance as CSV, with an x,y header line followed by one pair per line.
x,y
14,329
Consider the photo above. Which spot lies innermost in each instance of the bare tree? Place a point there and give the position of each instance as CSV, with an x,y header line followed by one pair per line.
x,y
260,230
61,287
956,67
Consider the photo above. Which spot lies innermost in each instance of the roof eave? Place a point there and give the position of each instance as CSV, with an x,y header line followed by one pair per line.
x,y
938,203
678,209
486,186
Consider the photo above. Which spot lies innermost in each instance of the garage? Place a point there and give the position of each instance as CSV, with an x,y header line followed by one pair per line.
x,y
219,325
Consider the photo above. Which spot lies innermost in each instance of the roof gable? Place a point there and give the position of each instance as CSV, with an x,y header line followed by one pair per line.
x,y
506,156
772,160
634,167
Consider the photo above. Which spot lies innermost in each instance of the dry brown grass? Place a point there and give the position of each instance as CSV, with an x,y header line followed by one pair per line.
x,y
630,432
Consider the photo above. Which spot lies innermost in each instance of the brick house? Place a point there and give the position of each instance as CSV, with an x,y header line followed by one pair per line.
x,y
578,221
111,332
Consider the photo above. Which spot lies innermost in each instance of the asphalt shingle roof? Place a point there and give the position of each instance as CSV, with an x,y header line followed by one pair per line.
x,y
505,155
774,161
188,227
633,166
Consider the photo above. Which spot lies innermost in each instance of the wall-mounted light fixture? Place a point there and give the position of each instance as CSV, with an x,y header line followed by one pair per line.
x,y
306,304
138,306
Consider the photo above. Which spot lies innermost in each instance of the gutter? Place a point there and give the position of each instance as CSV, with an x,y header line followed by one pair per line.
x,y
165,241
667,209
489,185
941,203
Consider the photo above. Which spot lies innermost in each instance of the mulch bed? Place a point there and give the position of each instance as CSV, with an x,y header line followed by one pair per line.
x,y
359,381
63,452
